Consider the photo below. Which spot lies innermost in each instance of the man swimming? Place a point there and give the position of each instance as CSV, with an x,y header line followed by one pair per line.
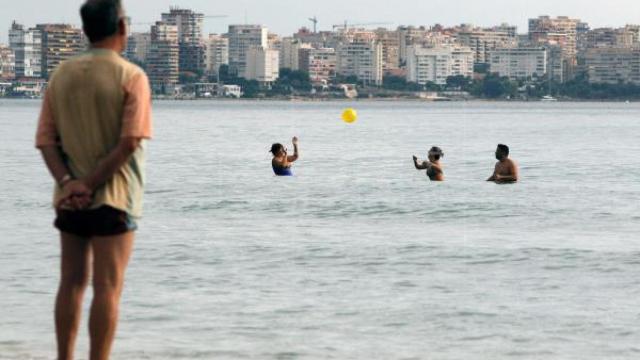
x,y
432,165
506,170
281,162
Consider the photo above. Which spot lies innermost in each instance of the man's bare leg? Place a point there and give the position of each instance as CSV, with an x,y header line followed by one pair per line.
x,y
111,256
74,276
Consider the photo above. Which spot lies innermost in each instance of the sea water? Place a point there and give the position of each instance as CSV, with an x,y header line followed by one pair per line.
x,y
358,256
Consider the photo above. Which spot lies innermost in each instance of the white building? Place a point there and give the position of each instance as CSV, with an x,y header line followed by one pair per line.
x,y
262,65
290,53
241,39
362,59
435,65
27,46
519,63
613,65
217,53
483,41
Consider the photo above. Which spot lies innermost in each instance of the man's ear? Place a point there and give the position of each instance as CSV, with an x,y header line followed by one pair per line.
x,y
122,27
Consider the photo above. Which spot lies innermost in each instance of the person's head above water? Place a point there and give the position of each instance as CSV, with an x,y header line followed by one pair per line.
x,y
103,22
502,152
435,154
278,149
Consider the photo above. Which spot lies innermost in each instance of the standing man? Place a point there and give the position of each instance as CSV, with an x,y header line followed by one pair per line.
x,y
95,115
506,170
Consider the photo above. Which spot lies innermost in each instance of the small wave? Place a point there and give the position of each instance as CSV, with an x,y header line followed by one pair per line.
x,y
405,284
479,337
155,192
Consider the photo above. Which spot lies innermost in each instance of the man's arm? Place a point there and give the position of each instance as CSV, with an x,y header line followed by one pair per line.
x,y
495,173
423,166
295,155
112,163
75,194
53,160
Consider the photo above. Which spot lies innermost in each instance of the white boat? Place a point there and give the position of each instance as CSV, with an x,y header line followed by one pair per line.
x,y
548,98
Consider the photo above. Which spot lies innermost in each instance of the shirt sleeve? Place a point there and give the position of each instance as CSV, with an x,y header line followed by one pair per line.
x,y
47,133
136,121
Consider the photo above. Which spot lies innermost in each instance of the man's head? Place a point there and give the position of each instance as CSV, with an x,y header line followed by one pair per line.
x,y
435,153
278,150
502,152
103,21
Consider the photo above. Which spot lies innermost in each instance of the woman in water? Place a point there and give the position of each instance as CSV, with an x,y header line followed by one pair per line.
x,y
281,162
433,166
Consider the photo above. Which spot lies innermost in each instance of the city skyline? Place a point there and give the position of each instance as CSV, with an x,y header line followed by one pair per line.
x,y
283,23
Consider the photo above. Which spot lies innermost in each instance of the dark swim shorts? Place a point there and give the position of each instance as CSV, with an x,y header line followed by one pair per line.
x,y
103,221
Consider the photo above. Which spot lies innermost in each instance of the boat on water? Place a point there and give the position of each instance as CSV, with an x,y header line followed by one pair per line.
x,y
548,98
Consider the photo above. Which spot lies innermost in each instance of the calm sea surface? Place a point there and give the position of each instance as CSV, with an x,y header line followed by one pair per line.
x,y
358,256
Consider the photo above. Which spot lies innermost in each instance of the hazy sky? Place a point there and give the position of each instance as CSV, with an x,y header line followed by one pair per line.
x,y
286,16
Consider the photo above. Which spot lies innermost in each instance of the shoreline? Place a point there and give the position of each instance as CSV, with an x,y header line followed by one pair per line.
x,y
372,99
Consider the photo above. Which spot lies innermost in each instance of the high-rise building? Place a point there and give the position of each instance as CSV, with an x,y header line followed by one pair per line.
x,y
163,58
27,46
362,59
241,39
187,22
544,27
390,40
290,53
7,63
558,33
274,41
320,64
262,65
635,32
608,37
60,42
556,63
519,63
138,45
613,65
190,40
217,53
409,36
192,57
582,29
483,41
436,64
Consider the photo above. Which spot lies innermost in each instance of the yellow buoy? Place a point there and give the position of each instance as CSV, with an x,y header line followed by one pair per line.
x,y
349,115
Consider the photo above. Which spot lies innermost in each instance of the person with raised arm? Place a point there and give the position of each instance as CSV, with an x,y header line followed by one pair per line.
x,y
282,162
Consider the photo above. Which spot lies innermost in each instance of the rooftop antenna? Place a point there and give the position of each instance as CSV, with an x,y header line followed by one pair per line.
x,y
314,20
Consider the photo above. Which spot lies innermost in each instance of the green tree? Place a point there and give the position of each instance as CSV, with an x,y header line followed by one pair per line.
x,y
458,82
399,83
290,80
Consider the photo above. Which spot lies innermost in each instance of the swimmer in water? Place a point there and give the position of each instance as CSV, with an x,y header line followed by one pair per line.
x,y
506,170
433,166
281,162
